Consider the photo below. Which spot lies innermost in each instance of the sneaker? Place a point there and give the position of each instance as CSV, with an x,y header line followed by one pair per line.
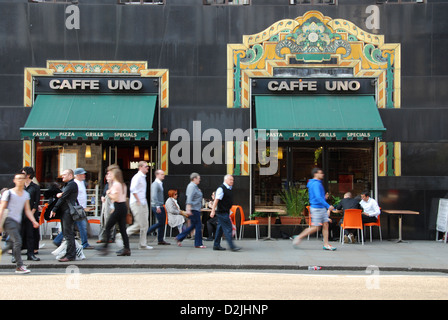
x,y
22,270
296,240
146,247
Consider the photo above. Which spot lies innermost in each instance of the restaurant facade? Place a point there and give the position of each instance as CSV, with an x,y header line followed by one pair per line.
x,y
260,90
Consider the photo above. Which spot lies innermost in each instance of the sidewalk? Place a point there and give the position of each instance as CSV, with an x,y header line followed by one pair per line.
x,y
428,256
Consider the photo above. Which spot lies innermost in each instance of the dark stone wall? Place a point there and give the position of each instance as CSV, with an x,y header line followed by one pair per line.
x,y
190,40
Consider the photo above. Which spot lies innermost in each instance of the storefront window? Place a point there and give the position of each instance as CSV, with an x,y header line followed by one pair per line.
x,y
350,169
346,169
52,159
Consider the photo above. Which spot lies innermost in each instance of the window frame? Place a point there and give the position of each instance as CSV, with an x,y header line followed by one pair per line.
x,y
141,2
226,2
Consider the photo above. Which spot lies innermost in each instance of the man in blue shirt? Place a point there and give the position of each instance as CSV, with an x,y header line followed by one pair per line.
x,y
319,210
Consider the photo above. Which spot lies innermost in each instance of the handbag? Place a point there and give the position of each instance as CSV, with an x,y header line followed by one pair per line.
x,y
76,211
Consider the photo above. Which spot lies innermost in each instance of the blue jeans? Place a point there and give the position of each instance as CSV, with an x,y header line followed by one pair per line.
x,y
224,227
160,225
82,227
196,223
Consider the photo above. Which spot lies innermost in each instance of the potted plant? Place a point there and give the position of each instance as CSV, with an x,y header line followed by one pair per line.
x,y
296,200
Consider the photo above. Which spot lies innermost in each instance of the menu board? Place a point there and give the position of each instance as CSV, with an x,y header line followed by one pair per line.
x,y
442,216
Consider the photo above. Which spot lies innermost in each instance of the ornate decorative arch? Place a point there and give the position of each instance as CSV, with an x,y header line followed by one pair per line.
x,y
317,41
313,40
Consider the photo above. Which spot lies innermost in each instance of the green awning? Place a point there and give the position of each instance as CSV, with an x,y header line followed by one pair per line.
x,y
91,116
318,117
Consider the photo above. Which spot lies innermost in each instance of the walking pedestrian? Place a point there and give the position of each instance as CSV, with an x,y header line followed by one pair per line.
x,y
193,210
117,194
30,235
319,210
221,207
106,208
139,205
157,208
69,194
16,200
80,177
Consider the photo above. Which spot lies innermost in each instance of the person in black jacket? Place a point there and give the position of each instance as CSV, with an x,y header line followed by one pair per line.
x,y
222,204
69,194
348,202
30,235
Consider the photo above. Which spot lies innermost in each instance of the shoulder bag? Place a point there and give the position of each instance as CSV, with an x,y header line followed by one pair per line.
x,y
76,211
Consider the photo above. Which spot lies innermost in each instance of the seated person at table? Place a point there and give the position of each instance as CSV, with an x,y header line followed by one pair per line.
x,y
176,217
348,202
370,208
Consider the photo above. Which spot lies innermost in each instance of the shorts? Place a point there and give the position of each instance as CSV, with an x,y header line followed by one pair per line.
x,y
319,216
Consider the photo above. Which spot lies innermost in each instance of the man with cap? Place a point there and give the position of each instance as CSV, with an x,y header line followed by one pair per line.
x,y
80,177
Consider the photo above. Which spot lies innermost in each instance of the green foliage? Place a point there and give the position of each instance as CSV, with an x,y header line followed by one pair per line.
x,y
296,200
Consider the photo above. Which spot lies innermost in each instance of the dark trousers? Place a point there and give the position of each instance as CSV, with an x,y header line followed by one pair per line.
x,y
13,228
118,216
160,225
224,227
196,223
68,230
30,235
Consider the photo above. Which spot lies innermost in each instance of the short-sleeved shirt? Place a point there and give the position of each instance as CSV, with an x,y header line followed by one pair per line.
x,y
194,196
16,203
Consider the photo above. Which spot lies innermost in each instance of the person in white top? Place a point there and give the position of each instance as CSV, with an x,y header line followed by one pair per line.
x,y
80,177
139,204
370,208
17,201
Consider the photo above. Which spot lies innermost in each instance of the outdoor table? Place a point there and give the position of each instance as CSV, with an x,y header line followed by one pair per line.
x,y
400,214
269,211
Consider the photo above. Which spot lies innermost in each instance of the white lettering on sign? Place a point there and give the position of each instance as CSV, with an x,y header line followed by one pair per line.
x,y
358,134
300,134
124,85
85,84
94,134
74,84
327,134
274,135
125,135
41,134
292,85
310,86
340,85
66,134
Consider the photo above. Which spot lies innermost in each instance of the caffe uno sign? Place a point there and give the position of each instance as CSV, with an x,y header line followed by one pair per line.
x,y
80,85
314,86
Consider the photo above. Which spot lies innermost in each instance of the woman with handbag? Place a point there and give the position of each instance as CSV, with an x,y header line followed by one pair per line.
x,y
117,194
176,217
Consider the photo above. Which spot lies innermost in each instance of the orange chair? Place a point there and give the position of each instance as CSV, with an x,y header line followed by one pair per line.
x,y
374,224
94,221
44,222
352,220
244,222
308,221
166,224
